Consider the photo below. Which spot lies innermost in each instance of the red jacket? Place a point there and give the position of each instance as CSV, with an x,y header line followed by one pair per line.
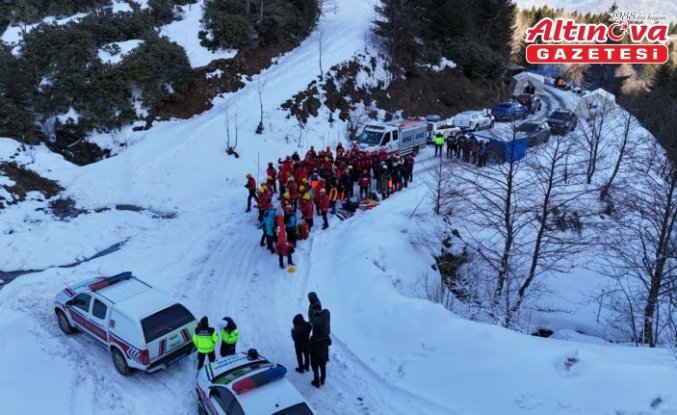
x,y
306,208
324,203
364,182
270,171
251,183
293,190
283,249
264,199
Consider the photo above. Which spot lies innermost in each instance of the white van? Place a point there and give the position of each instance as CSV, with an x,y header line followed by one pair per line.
x,y
394,136
142,328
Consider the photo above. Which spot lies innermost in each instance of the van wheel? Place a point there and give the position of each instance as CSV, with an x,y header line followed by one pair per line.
x,y
64,325
120,363
415,151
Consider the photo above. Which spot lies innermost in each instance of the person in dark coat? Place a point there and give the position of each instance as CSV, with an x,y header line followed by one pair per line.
x,y
312,299
319,345
301,335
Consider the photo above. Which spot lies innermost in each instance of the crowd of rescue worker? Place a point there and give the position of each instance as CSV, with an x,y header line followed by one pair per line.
x,y
463,147
316,184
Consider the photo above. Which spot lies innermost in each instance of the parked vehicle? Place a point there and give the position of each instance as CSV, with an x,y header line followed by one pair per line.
x,y
532,102
247,383
473,120
142,328
561,121
561,83
444,127
536,132
403,136
509,111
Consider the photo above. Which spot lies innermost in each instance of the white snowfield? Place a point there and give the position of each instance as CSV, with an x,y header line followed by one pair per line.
x,y
184,33
393,352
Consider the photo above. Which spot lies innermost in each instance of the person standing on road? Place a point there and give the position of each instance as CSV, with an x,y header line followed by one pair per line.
x,y
319,345
204,339
300,333
323,206
312,299
251,186
229,336
439,144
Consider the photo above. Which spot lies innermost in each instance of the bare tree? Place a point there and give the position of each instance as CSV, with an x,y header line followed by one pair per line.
x,y
230,148
259,11
556,239
260,86
643,245
629,126
357,119
593,128
320,47
522,225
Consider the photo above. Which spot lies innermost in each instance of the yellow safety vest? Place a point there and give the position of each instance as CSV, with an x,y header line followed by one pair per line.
x,y
439,140
205,343
229,338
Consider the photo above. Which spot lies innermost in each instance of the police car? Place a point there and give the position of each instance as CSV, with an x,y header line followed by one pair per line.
x,y
247,383
142,328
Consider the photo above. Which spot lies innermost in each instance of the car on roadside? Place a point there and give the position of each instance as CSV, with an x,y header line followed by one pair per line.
x,y
444,127
142,328
536,132
562,121
532,102
509,111
247,383
473,120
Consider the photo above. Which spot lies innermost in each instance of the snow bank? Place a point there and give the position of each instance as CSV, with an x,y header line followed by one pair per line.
x,y
115,52
14,34
460,365
184,32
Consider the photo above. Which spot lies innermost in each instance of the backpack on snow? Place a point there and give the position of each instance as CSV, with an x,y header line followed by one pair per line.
x,y
304,231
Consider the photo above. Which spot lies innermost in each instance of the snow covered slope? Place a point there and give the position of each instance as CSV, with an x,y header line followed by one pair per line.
x,y
393,352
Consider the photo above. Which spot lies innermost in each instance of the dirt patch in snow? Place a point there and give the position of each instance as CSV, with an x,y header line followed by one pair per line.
x,y
25,181
423,92
249,61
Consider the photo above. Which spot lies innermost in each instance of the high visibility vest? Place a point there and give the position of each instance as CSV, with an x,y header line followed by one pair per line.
x,y
205,342
229,338
439,140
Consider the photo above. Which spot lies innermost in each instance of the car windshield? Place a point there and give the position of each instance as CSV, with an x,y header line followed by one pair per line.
x,y
298,409
371,138
165,321
560,115
528,127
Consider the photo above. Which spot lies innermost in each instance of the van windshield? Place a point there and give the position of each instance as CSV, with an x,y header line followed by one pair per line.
x,y
165,321
370,138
